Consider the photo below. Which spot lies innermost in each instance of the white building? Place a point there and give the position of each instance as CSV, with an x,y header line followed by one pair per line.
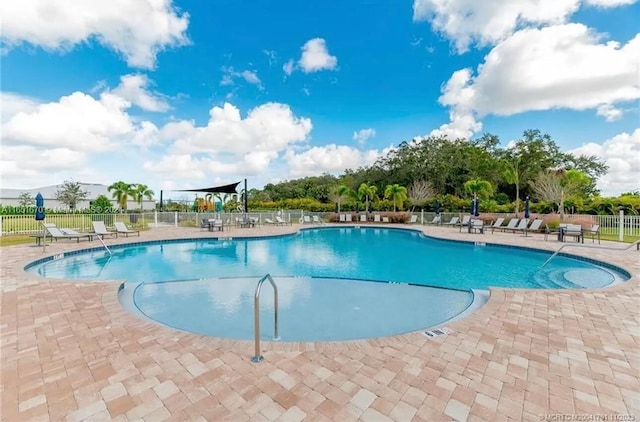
x,y
11,197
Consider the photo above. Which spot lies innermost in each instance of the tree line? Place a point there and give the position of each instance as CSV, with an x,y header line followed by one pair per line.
x,y
452,172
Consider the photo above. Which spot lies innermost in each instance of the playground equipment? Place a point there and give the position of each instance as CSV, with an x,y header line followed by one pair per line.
x,y
206,204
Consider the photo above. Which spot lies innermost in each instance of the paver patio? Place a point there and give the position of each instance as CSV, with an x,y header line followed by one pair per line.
x,y
71,352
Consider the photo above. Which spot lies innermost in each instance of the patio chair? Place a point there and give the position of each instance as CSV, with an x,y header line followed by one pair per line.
x,y
496,224
466,220
343,218
72,232
270,221
413,219
534,227
348,218
305,220
436,220
594,232
573,230
317,220
453,222
522,225
281,221
476,226
56,233
100,229
121,228
376,218
510,226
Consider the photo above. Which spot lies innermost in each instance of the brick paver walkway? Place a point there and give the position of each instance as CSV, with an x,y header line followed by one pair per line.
x,y
70,352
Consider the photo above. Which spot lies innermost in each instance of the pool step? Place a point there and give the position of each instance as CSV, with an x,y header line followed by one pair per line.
x,y
553,279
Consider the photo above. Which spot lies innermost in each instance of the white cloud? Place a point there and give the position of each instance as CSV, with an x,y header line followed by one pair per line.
x,y
622,154
563,66
289,67
267,128
329,159
116,24
133,88
230,74
467,22
315,57
610,113
77,121
363,135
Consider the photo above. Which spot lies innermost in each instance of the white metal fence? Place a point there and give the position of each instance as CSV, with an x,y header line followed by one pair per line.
x,y
628,225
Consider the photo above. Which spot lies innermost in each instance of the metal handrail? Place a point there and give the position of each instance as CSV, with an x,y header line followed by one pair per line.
x,y
636,243
105,245
256,316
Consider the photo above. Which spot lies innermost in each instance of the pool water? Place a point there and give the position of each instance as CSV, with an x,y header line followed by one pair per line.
x,y
309,309
390,255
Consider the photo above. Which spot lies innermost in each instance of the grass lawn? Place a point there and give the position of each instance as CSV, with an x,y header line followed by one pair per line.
x,y
15,240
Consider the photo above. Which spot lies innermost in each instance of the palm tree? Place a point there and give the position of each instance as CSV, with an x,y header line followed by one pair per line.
x,y
141,191
341,192
479,188
512,176
397,193
368,192
121,192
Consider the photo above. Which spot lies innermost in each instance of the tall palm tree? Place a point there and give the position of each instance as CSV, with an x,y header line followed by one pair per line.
x,y
397,193
140,192
341,192
368,192
121,192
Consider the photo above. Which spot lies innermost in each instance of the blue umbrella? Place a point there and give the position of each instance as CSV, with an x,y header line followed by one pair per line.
x,y
437,208
39,207
476,207
526,208
336,207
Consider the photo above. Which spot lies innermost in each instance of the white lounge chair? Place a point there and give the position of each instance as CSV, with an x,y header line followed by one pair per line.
x,y
534,227
453,222
413,219
496,224
56,233
348,218
466,220
510,226
122,229
476,226
363,218
376,218
436,220
317,220
281,221
343,218
593,232
100,229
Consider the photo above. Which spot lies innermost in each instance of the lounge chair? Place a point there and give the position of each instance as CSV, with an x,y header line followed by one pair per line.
x,y
510,226
594,232
385,219
413,219
453,222
363,218
342,218
348,218
100,229
496,224
56,233
466,220
436,220
317,220
376,218
72,232
305,220
122,229
534,227
270,221
281,221
522,225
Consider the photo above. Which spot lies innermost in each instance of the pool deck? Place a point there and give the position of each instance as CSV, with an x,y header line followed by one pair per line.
x,y
70,352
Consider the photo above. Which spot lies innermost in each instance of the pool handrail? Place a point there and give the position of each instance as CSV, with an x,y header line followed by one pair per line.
x,y
636,244
256,316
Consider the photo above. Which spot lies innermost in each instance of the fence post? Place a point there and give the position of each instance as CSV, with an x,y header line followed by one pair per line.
x,y
422,217
175,218
0,226
621,226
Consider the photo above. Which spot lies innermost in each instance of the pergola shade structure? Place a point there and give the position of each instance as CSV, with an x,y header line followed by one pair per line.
x,y
231,188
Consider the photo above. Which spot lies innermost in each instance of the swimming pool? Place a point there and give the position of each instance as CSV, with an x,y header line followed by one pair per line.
x,y
180,282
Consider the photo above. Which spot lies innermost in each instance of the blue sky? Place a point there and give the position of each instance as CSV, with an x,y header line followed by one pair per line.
x,y
185,94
